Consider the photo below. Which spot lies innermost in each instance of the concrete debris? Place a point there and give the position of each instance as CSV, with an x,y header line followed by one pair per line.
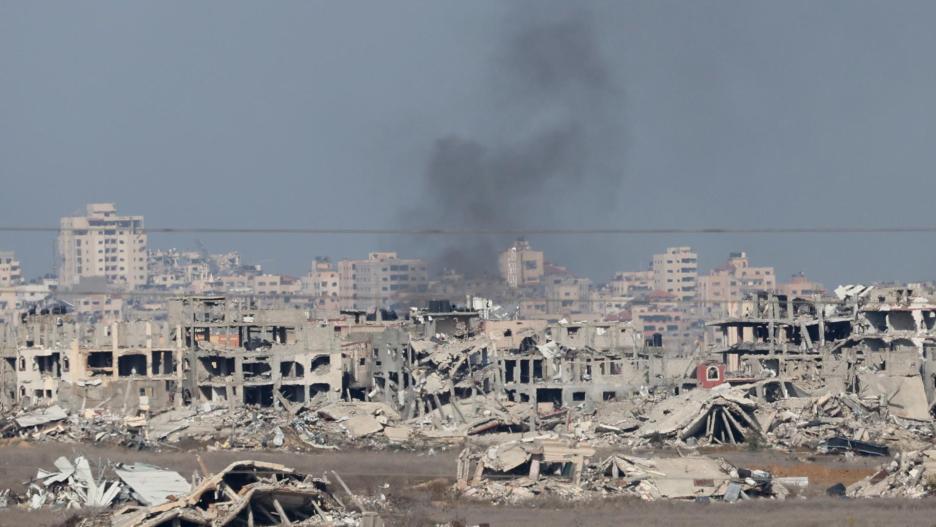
x,y
520,470
152,485
843,444
720,416
250,493
853,376
41,416
72,485
245,493
908,475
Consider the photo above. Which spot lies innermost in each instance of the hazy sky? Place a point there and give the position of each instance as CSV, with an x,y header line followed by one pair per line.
x,y
326,114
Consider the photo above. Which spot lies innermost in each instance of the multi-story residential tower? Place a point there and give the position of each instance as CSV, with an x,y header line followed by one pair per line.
x,y
676,272
379,280
520,265
102,244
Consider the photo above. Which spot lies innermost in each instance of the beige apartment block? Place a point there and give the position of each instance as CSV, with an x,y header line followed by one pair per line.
x,y
323,279
676,272
102,244
520,265
722,290
630,283
379,280
10,271
801,287
568,295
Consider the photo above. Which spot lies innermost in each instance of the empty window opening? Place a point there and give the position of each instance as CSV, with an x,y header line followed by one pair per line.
x,y
258,395
294,393
218,366
128,365
525,372
537,370
100,362
902,321
321,365
510,367
257,369
49,365
162,363
549,395
318,391
291,370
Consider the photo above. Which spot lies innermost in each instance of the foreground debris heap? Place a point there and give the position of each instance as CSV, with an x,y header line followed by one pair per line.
x,y
530,467
520,470
248,493
689,477
73,485
251,493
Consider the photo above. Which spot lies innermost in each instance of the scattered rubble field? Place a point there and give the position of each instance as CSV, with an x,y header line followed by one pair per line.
x,y
419,484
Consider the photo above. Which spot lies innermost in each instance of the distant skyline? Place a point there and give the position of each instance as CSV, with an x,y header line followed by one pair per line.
x,y
316,114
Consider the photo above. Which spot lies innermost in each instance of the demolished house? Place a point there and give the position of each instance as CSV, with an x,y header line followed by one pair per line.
x,y
519,470
245,493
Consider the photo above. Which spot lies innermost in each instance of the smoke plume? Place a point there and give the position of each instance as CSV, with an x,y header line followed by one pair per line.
x,y
557,108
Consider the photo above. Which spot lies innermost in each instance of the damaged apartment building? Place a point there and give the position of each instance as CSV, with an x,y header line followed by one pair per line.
x,y
866,340
51,357
227,351
239,354
210,349
569,363
444,354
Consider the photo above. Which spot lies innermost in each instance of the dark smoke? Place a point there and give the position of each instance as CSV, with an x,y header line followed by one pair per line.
x,y
554,94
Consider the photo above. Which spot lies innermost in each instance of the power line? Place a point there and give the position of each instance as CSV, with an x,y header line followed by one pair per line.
x,y
401,298
488,232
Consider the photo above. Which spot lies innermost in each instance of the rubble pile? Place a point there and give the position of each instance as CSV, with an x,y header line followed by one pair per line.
x,y
244,493
689,477
72,486
520,470
734,416
249,493
720,416
808,422
908,475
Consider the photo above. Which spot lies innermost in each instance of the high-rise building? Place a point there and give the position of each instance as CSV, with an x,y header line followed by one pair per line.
x,y
10,271
676,272
379,280
520,265
102,244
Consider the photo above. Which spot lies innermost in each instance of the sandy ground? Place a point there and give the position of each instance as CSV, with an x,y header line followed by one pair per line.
x,y
396,473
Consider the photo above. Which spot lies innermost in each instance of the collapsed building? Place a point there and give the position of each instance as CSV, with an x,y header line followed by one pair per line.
x,y
230,352
588,361
449,363
870,341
